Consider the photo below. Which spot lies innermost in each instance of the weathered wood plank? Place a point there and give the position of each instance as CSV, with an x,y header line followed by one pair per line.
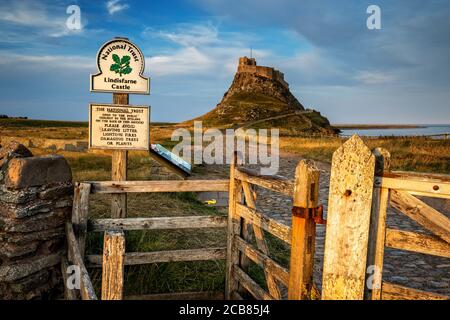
x,y
69,294
137,258
249,284
80,213
208,295
159,186
392,291
421,176
377,231
246,234
348,220
272,285
429,188
275,183
87,290
234,228
423,214
306,195
261,220
113,265
119,168
416,242
158,223
277,271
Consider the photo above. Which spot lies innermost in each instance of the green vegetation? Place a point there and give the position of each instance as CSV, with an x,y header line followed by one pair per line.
x,y
164,277
407,153
413,154
30,123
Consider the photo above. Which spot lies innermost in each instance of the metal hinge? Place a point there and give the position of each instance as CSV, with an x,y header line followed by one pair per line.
x,y
310,213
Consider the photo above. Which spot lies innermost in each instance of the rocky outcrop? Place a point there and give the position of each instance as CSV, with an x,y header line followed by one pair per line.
x,y
35,203
260,94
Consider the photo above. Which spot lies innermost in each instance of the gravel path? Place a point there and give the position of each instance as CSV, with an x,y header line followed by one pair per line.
x,y
419,271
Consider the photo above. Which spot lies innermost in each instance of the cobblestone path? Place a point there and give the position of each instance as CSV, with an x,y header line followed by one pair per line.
x,y
413,270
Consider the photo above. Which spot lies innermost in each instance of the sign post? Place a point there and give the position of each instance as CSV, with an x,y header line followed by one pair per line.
x,y
119,126
119,169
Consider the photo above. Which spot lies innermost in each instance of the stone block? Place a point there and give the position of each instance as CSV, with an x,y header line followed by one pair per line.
x,y
37,171
39,222
23,269
17,196
13,150
12,250
22,238
18,211
58,191
32,282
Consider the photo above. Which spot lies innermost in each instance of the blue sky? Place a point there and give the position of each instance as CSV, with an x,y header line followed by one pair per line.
x,y
333,63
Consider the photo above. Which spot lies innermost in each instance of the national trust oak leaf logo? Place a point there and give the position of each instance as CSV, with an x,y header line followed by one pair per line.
x,y
121,66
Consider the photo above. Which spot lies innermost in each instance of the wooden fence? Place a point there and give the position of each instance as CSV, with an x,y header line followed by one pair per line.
x,y
361,190
114,257
243,217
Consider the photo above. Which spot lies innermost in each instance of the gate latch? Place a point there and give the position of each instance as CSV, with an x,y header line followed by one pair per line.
x,y
307,213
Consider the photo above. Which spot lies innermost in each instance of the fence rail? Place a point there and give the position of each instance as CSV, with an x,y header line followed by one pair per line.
x,y
361,190
244,216
159,186
114,257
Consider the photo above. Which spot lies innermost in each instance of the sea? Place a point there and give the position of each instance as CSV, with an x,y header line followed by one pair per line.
x,y
423,130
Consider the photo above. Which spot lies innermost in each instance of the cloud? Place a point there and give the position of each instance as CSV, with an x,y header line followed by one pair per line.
x,y
187,34
201,49
47,62
368,77
412,46
184,61
36,18
114,6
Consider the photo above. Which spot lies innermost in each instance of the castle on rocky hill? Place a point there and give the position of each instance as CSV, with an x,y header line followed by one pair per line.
x,y
248,65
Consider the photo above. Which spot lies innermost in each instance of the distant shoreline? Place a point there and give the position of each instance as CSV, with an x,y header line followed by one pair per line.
x,y
378,126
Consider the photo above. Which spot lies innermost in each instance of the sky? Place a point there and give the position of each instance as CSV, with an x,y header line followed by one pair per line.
x,y
331,60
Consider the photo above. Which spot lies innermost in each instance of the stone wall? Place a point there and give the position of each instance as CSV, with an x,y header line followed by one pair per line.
x,y
35,201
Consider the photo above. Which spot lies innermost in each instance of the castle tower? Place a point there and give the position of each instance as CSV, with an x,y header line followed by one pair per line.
x,y
248,65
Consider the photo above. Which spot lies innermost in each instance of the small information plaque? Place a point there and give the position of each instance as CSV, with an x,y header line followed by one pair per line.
x,y
119,127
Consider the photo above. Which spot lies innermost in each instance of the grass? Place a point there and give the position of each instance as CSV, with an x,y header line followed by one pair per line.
x,y
164,277
407,153
413,154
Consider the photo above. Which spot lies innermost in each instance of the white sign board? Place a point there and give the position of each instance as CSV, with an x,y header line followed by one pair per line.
x,y
113,126
120,66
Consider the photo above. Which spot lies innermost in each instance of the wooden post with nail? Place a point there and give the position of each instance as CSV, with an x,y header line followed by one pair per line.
x,y
119,168
306,197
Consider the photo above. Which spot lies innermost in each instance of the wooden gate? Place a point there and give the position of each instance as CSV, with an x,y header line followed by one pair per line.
x,y
361,189
114,257
243,217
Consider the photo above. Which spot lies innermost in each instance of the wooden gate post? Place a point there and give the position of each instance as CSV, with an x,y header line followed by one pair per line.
x,y
80,213
306,195
348,221
234,226
119,169
113,265
377,232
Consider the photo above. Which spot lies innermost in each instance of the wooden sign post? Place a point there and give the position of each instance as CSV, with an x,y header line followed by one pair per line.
x,y
119,126
119,169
